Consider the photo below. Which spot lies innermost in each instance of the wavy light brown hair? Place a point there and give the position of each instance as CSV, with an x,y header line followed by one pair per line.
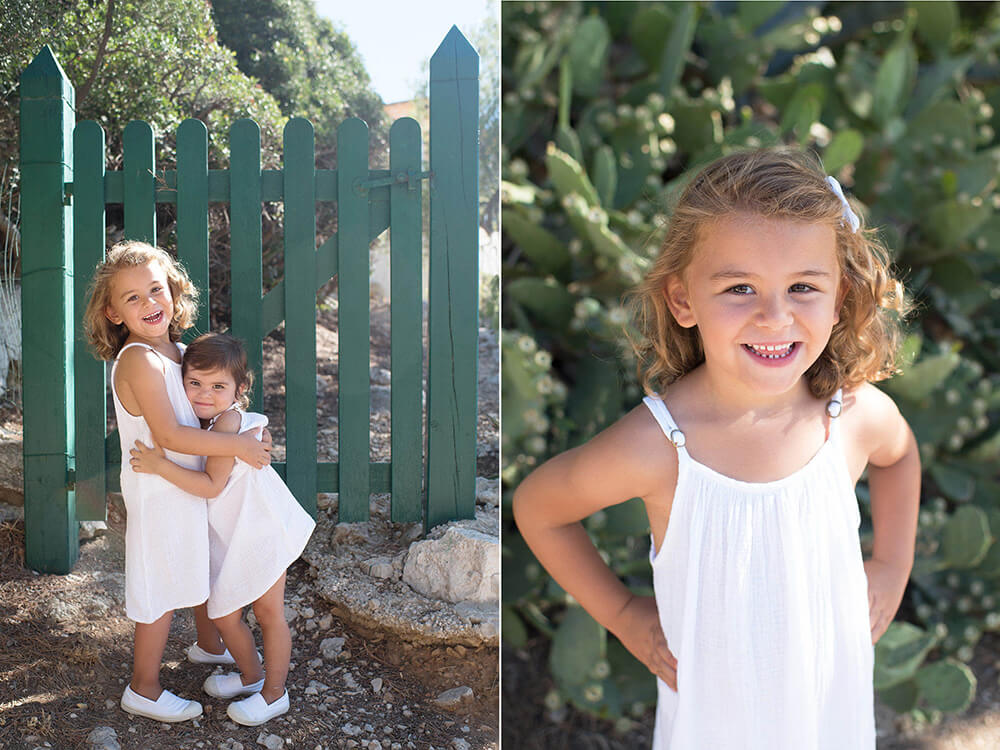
x,y
106,339
774,183
220,351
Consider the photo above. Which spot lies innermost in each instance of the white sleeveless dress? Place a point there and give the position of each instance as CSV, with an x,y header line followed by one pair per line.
x,y
256,529
166,532
763,600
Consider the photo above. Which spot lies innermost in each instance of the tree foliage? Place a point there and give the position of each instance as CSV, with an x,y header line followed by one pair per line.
x,y
309,67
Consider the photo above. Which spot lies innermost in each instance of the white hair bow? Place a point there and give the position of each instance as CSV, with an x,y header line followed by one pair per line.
x,y
849,216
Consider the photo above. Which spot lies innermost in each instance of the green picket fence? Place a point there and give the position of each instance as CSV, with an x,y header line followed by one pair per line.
x,y
70,463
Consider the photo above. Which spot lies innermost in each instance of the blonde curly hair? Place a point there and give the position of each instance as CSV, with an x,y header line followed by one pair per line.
x,y
785,184
106,339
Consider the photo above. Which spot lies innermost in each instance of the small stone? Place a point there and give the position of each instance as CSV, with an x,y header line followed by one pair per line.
x,y
377,684
350,730
315,663
311,691
110,703
374,745
270,741
310,624
290,613
308,612
325,622
460,744
349,682
92,529
103,738
452,699
331,647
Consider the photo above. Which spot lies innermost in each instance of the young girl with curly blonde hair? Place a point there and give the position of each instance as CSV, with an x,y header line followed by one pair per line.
x,y
767,315
141,301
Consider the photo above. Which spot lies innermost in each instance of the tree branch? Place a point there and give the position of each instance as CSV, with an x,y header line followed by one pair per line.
x,y
83,91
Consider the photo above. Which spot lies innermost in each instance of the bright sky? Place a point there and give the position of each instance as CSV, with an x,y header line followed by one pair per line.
x,y
394,37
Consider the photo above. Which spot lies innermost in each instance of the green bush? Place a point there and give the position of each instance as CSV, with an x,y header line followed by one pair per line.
x,y
607,107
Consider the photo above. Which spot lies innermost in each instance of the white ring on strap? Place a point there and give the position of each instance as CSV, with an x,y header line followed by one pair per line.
x,y
677,438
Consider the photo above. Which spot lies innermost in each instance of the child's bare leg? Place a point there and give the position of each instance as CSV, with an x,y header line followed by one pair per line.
x,y
239,641
270,612
150,641
209,639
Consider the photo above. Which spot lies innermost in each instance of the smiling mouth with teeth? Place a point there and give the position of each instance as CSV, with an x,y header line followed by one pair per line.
x,y
155,317
771,351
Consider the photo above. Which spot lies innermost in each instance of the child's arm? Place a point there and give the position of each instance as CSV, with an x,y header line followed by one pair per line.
x,y
141,371
208,483
629,459
894,483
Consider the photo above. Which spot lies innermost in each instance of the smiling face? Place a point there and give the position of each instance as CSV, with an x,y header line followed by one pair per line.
x,y
140,298
210,392
764,294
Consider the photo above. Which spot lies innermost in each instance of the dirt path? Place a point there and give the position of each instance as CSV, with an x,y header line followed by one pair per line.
x,y
65,652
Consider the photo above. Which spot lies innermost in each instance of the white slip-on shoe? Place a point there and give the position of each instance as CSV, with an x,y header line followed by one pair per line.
x,y
230,685
198,655
168,707
254,711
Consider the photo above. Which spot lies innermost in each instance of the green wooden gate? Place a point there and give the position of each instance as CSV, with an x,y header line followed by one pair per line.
x,y
70,463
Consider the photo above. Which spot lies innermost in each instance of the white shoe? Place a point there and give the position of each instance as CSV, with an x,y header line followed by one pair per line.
x,y
198,655
168,707
230,685
254,711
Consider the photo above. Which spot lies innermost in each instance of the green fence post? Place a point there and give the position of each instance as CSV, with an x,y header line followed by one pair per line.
x,y
47,117
453,311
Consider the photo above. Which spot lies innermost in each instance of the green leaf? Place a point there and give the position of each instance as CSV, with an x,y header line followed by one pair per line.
x,y
754,14
588,54
844,149
803,110
920,380
568,141
568,176
957,484
947,685
901,697
541,246
578,644
547,298
892,80
936,22
627,519
899,652
676,51
515,634
605,175
966,537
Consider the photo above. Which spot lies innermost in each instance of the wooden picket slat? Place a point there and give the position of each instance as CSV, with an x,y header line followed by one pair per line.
x,y
46,127
453,310
192,214
353,320
300,311
245,246
88,252
138,181
406,293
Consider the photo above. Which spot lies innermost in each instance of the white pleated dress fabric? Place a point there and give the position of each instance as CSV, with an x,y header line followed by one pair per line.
x,y
166,532
763,600
256,529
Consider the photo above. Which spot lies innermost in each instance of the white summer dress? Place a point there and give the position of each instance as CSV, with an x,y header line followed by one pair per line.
x,y
763,600
166,532
256,529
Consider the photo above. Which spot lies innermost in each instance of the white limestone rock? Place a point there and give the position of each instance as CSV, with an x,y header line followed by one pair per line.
x,y
462,565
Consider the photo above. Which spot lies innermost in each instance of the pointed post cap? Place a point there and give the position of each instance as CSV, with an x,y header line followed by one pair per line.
x,y
455,59
44,78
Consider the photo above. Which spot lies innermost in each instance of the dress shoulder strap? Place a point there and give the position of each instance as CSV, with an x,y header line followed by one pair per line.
x,y
833,408
663,417
233,407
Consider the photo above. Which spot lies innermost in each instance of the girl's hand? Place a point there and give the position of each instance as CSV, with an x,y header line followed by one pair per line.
x,y
265,439
253,451
640,632
886,584
146,460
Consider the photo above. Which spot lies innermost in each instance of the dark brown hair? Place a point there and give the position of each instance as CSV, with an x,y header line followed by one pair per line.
x,y
784,184
220,351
